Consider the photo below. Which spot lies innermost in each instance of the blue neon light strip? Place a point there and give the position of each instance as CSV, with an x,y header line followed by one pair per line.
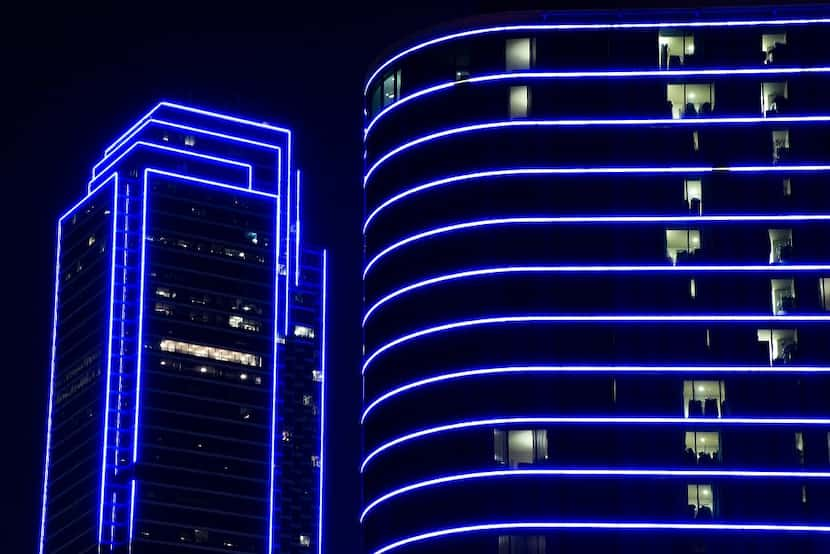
x,y
274,380
129,133
616,369
195,130
69,212
546,123
629,526
534,75
569,472
297,235
108,382
631,420
545,220
322,406
607,318
217,159
491,271
585,26
542,171
287,253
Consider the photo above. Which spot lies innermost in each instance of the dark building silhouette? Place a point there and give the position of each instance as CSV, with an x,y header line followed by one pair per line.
x,y
187,356
597,283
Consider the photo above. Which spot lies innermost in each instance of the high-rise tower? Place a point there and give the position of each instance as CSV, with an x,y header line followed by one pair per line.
x,y
186,393
597,283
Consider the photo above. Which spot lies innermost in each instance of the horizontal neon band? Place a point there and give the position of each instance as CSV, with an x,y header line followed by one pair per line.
x,y
628,526
217,115
586,27
486,272
543,369
522,123
706,421
567,472
533,75
610,318
606,219
179,151
209,182
197,130
541,171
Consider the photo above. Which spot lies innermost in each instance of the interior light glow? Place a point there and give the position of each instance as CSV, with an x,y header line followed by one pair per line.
x,y
603,219
536,75
586,26
609,318
602,420
598,472
543,369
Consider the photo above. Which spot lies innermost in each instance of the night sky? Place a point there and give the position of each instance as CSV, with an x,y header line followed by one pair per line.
x,y
73,82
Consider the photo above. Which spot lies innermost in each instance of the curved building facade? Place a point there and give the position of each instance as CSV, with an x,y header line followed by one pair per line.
x,y
597,285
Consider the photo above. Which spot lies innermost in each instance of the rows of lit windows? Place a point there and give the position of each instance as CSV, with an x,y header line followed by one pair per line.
x,y
210,249
675,50
211,352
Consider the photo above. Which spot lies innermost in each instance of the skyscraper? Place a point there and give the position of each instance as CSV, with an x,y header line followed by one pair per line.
x,y
186,395
596,285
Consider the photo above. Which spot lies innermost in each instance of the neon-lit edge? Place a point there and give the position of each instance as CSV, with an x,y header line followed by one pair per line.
x,y
502,124
585,26
108,382
297,234
585,269
541,369
572,171
570,472
533,75
59,234
545,220
630,420
543,525
606,318
274,378
322,406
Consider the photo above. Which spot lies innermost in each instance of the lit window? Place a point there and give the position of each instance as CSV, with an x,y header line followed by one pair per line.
x,y
674,48
780,145
781,245
771,44
773,97
688,100
462,66
253,237
303,332
783,295
286,436
519,53
781,343
824,291
522,544
787,186
692,288
701,501
165,293
317,376
693,194
315,461
189,140
306,400
246,414
519,102
390,88
203,351
703,447
305,540
703,398
681,244
91,240
520,447
163,308
239,322
695,141
799,447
